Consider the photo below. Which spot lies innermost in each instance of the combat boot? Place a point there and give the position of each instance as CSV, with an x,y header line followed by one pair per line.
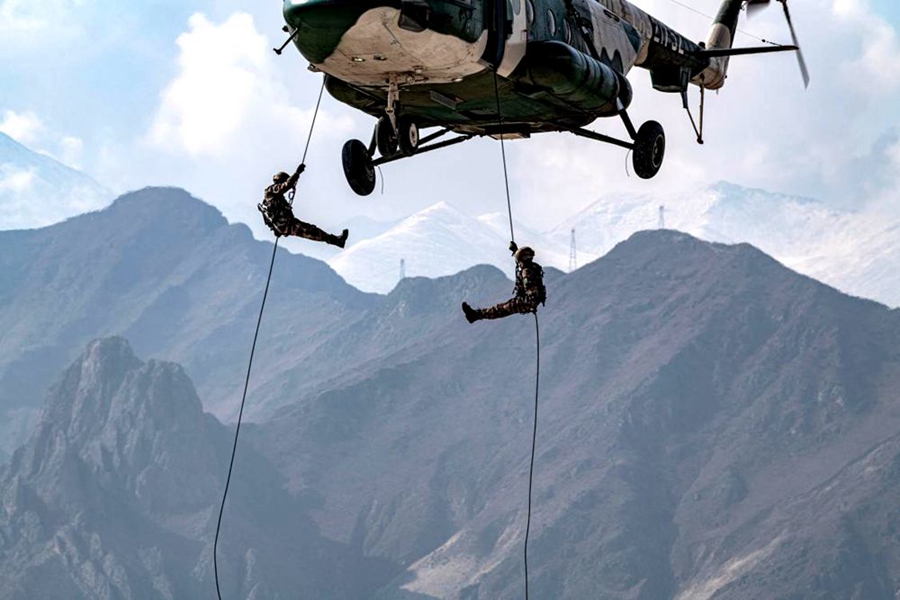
x,y
339,240
472,314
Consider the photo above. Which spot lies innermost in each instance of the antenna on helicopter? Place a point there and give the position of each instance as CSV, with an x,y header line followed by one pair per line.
x,y
281,48
754,6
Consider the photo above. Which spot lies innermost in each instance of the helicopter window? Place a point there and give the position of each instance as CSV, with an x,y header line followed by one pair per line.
x,y
529,10
551,20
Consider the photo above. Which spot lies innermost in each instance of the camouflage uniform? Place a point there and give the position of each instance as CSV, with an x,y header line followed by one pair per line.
x,y
529,291
529,282
281,220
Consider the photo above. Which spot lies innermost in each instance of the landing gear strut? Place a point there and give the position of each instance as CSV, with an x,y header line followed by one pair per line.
x,y
648,144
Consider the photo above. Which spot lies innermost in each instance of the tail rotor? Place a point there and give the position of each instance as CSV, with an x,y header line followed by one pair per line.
x,y
754,6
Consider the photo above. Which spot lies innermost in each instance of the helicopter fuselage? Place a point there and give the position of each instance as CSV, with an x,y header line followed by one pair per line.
x,y
558,60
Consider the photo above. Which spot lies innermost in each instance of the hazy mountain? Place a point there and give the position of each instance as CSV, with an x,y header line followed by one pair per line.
x,y
361,228
438,241
115,495
857,252
712,425
36,190
168,272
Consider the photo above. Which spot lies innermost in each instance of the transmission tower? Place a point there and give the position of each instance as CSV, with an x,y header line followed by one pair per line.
x,y
573,256
402,269
662,217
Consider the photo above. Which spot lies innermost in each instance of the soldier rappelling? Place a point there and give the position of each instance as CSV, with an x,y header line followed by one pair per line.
x,y
528,293
279,216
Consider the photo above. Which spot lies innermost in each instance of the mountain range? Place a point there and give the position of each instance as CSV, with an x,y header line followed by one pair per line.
x,y
711,423
857,252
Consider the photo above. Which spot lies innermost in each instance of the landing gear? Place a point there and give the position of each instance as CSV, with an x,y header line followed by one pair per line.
x,y
358,167
649,149
385,137
407,136
359,163
648,143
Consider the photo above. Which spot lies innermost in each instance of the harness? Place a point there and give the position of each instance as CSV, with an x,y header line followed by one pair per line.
x,y
538,290
276,213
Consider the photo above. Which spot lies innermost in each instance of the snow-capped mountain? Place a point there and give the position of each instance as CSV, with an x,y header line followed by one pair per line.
x,y
437,241
36,190
857,252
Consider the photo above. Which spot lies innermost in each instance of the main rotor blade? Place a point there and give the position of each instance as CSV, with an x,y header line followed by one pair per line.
x,y
803,70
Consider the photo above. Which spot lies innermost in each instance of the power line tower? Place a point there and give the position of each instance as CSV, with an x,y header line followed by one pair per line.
x,y
402,269
573,256
662,217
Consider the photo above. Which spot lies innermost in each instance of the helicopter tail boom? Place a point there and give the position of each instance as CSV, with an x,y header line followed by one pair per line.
x,y
721,38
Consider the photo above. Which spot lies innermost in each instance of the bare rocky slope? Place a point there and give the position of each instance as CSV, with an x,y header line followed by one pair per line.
x,y
116,495
711,425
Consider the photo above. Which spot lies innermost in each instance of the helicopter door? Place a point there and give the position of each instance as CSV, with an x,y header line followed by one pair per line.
x,y
495,19
518,39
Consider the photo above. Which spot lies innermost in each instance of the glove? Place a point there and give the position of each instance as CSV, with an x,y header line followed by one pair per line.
x,y
513,247
301,168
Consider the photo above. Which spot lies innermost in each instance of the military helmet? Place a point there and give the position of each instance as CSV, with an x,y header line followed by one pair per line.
x,y
281,177
524,254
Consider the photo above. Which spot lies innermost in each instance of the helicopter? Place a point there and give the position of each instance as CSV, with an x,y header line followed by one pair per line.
x,y
506,69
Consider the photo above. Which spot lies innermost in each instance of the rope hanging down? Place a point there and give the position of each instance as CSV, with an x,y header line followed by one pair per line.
x,y
262,307
512,233
537,332
537,382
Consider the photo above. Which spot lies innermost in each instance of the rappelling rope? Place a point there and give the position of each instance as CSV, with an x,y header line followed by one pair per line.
x,y
537,332
512,233
262,307
537,382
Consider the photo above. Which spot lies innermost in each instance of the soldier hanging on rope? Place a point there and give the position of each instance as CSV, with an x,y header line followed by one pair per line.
x,y
529,290
279,216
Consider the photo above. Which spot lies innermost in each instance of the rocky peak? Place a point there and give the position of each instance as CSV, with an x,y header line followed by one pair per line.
x,y
137,425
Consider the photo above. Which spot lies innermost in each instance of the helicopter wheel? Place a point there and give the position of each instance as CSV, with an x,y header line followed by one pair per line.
x,y
385,137
407,136
358,167
649,150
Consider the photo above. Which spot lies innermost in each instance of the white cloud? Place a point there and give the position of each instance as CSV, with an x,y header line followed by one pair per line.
x,y
70,151
222,69
229,119
26,128
15,180
23,18
226,90
878,61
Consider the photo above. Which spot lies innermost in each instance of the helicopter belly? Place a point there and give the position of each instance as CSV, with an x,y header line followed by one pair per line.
x,y
375,46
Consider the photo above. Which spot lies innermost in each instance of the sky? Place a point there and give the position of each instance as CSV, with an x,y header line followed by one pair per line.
x,y
189,93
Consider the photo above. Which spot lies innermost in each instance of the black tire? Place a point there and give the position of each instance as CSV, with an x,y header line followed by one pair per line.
x,y
358,168
649,150
385,138
407,136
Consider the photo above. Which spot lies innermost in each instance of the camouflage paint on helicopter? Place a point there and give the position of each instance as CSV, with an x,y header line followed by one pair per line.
x,y
553,65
